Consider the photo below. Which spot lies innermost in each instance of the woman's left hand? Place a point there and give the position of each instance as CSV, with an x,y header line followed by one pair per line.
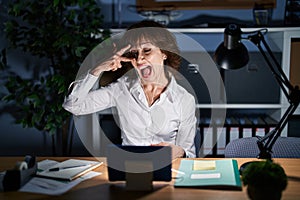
x,y
177,151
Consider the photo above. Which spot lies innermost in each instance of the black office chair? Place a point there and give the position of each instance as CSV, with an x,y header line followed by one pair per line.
x,y
284,147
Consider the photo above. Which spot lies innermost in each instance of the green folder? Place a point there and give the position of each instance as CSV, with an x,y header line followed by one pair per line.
x,y
214,174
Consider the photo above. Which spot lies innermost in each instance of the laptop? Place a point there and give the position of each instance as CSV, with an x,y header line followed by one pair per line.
x,y
124,160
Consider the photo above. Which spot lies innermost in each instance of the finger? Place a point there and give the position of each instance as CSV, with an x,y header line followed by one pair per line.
x,y
123,50
113,68
114,65
117,62
160,144
164,144
124,59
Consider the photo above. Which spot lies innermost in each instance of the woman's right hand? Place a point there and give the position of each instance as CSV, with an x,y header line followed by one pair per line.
x,y
113,63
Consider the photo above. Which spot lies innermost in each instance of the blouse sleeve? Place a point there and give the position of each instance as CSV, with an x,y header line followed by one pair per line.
x,y
187,128
83,100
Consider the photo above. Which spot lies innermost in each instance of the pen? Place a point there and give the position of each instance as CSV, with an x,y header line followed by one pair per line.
x,y
61,168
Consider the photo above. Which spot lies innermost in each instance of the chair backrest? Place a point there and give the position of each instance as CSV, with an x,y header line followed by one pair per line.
x,y
284,147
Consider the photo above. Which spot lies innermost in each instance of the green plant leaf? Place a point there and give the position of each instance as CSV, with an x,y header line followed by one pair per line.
x,y
78,51
58,36
55,3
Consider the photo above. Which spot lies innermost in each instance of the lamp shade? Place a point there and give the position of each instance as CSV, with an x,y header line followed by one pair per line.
x,y
231,54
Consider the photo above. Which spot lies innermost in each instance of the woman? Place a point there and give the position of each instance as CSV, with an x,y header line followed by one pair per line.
x,y
152,108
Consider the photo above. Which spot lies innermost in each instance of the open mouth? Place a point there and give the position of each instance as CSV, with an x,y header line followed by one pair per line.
x,y
146,71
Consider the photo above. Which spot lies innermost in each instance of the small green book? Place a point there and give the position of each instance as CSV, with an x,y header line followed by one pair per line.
x,y
214,174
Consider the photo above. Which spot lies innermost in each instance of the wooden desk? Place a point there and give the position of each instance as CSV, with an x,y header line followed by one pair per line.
x,y
100,188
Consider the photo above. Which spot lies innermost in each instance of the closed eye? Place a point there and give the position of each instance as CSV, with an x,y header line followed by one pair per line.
x,y
147,51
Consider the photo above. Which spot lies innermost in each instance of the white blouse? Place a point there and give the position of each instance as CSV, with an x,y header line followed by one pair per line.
x,y
170,119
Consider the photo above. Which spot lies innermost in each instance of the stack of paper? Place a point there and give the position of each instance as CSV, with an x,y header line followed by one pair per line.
x,y
68,177
69,169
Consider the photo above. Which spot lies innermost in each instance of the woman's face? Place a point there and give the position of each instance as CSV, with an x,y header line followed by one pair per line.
x,y
150,61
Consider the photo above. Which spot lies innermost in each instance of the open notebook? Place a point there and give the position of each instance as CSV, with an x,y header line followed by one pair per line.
x,y
69,169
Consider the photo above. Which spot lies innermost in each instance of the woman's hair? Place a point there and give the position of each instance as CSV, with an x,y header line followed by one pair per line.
x,y
159,36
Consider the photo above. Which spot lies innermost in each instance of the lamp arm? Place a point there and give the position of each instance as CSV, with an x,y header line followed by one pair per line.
x,y
291,93
279,75
285,79
271,137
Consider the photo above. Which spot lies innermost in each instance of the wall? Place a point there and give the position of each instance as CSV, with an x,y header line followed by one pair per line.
x,y
121,12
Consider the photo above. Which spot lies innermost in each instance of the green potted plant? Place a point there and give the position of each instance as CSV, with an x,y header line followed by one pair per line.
x,y
264,180
57,35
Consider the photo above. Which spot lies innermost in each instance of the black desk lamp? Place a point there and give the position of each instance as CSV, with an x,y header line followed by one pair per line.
x,y
232,54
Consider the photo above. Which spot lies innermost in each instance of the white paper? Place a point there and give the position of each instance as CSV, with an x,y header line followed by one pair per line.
x,y
50,186
54,187
206,176
69,173
46,164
